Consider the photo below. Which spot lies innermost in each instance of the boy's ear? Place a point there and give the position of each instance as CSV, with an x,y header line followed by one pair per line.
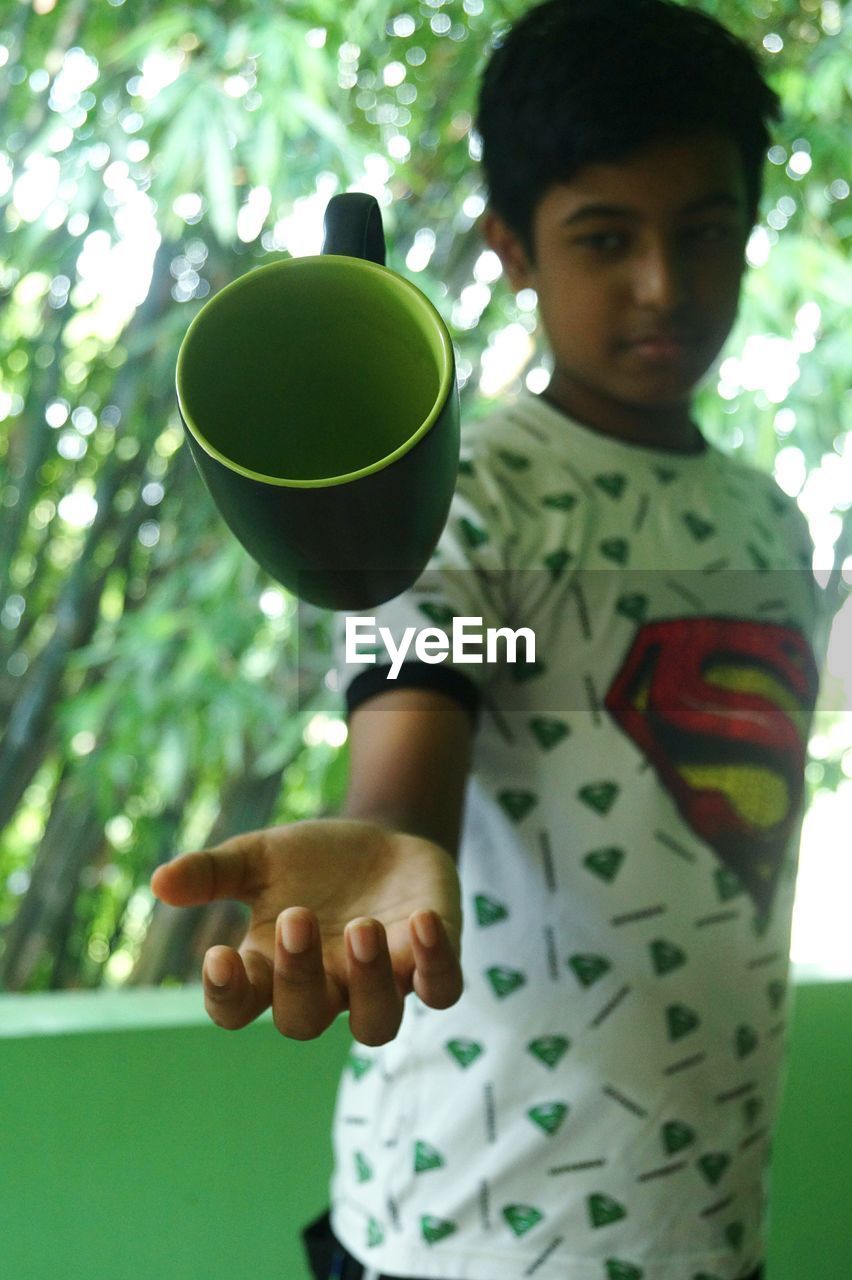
x,y
500,237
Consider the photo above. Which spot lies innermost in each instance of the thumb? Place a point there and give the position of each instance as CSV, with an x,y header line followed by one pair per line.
x,y
228,870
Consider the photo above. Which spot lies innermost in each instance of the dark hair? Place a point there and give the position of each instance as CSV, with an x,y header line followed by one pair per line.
x,y
579,82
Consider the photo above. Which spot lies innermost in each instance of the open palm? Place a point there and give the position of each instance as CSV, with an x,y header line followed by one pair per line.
x,y
345,914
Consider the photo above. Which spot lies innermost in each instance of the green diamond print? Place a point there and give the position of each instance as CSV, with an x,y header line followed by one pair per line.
x,y
599,796
360,1066
612,483
728,884
426,1157
375,1235
549,732
465,467
752,1108
615,549
441,614
700,529
676,1135
363,1169
603,1210
745,1041
549,1049
522,1217
713,1165
588,968
435,1229
681,1020
617,1270
604,862
488,911
473,535
633,606
561,501
734,1234
464,1051
776,991
556,562
517,804
505,981
548,1115
664,474
665,956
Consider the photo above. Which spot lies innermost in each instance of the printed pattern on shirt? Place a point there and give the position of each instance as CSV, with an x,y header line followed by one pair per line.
x,y
599,1103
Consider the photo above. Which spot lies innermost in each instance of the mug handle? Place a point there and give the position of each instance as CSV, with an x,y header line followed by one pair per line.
x,y
353,227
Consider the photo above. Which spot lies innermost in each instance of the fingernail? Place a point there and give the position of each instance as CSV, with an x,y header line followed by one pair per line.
x,y
296,933
218,969
426,928
365,942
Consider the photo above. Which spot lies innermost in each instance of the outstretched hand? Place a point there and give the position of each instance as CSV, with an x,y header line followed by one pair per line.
x,y
345,914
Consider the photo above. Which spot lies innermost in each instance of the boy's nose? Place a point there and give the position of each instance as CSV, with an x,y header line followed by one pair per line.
x,y
659,278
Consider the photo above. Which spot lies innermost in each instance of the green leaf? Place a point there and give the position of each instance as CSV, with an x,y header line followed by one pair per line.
x,y
170,762
284,745
219,181
267,155
160,32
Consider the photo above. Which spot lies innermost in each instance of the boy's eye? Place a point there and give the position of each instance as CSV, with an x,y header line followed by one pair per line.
x,y
611,242
605,241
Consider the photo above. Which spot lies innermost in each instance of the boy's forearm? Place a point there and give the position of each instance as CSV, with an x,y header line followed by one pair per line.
x,y
410,758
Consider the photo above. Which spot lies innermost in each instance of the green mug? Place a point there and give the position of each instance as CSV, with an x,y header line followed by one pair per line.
x,y
321,407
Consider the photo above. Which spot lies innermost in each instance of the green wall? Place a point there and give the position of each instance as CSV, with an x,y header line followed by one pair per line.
x,y
139,1142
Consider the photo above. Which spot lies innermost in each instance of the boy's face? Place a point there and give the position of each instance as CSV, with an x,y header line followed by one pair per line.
x,y
637,270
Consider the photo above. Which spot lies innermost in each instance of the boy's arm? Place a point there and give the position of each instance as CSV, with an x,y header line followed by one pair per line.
x,y
410,755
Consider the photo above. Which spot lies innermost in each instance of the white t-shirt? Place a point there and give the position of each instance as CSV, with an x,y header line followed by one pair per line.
x,y
599,1103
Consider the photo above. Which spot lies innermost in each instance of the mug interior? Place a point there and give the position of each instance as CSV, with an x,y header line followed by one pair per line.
x,y
312,369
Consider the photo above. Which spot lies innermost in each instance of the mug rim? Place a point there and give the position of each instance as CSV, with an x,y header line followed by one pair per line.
x,y
415,295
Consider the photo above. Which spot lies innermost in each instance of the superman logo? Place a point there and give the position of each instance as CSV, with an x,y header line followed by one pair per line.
x,y
721,708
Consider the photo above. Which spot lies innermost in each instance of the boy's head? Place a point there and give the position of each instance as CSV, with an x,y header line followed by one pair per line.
x,y
579,82
623,144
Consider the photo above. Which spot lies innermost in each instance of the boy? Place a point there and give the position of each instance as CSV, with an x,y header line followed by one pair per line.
x,y
618,815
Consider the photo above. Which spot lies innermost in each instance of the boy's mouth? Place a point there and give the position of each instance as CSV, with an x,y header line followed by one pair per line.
x,y
662,347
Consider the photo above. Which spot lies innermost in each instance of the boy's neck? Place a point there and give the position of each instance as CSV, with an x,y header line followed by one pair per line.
x,y
668,427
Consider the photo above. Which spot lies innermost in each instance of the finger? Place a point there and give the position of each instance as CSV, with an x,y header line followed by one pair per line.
x,y
437,975
237,988
305,999
232,869
375,1001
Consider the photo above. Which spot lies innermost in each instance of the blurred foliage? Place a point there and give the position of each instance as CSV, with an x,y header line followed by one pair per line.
x,y
157,692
